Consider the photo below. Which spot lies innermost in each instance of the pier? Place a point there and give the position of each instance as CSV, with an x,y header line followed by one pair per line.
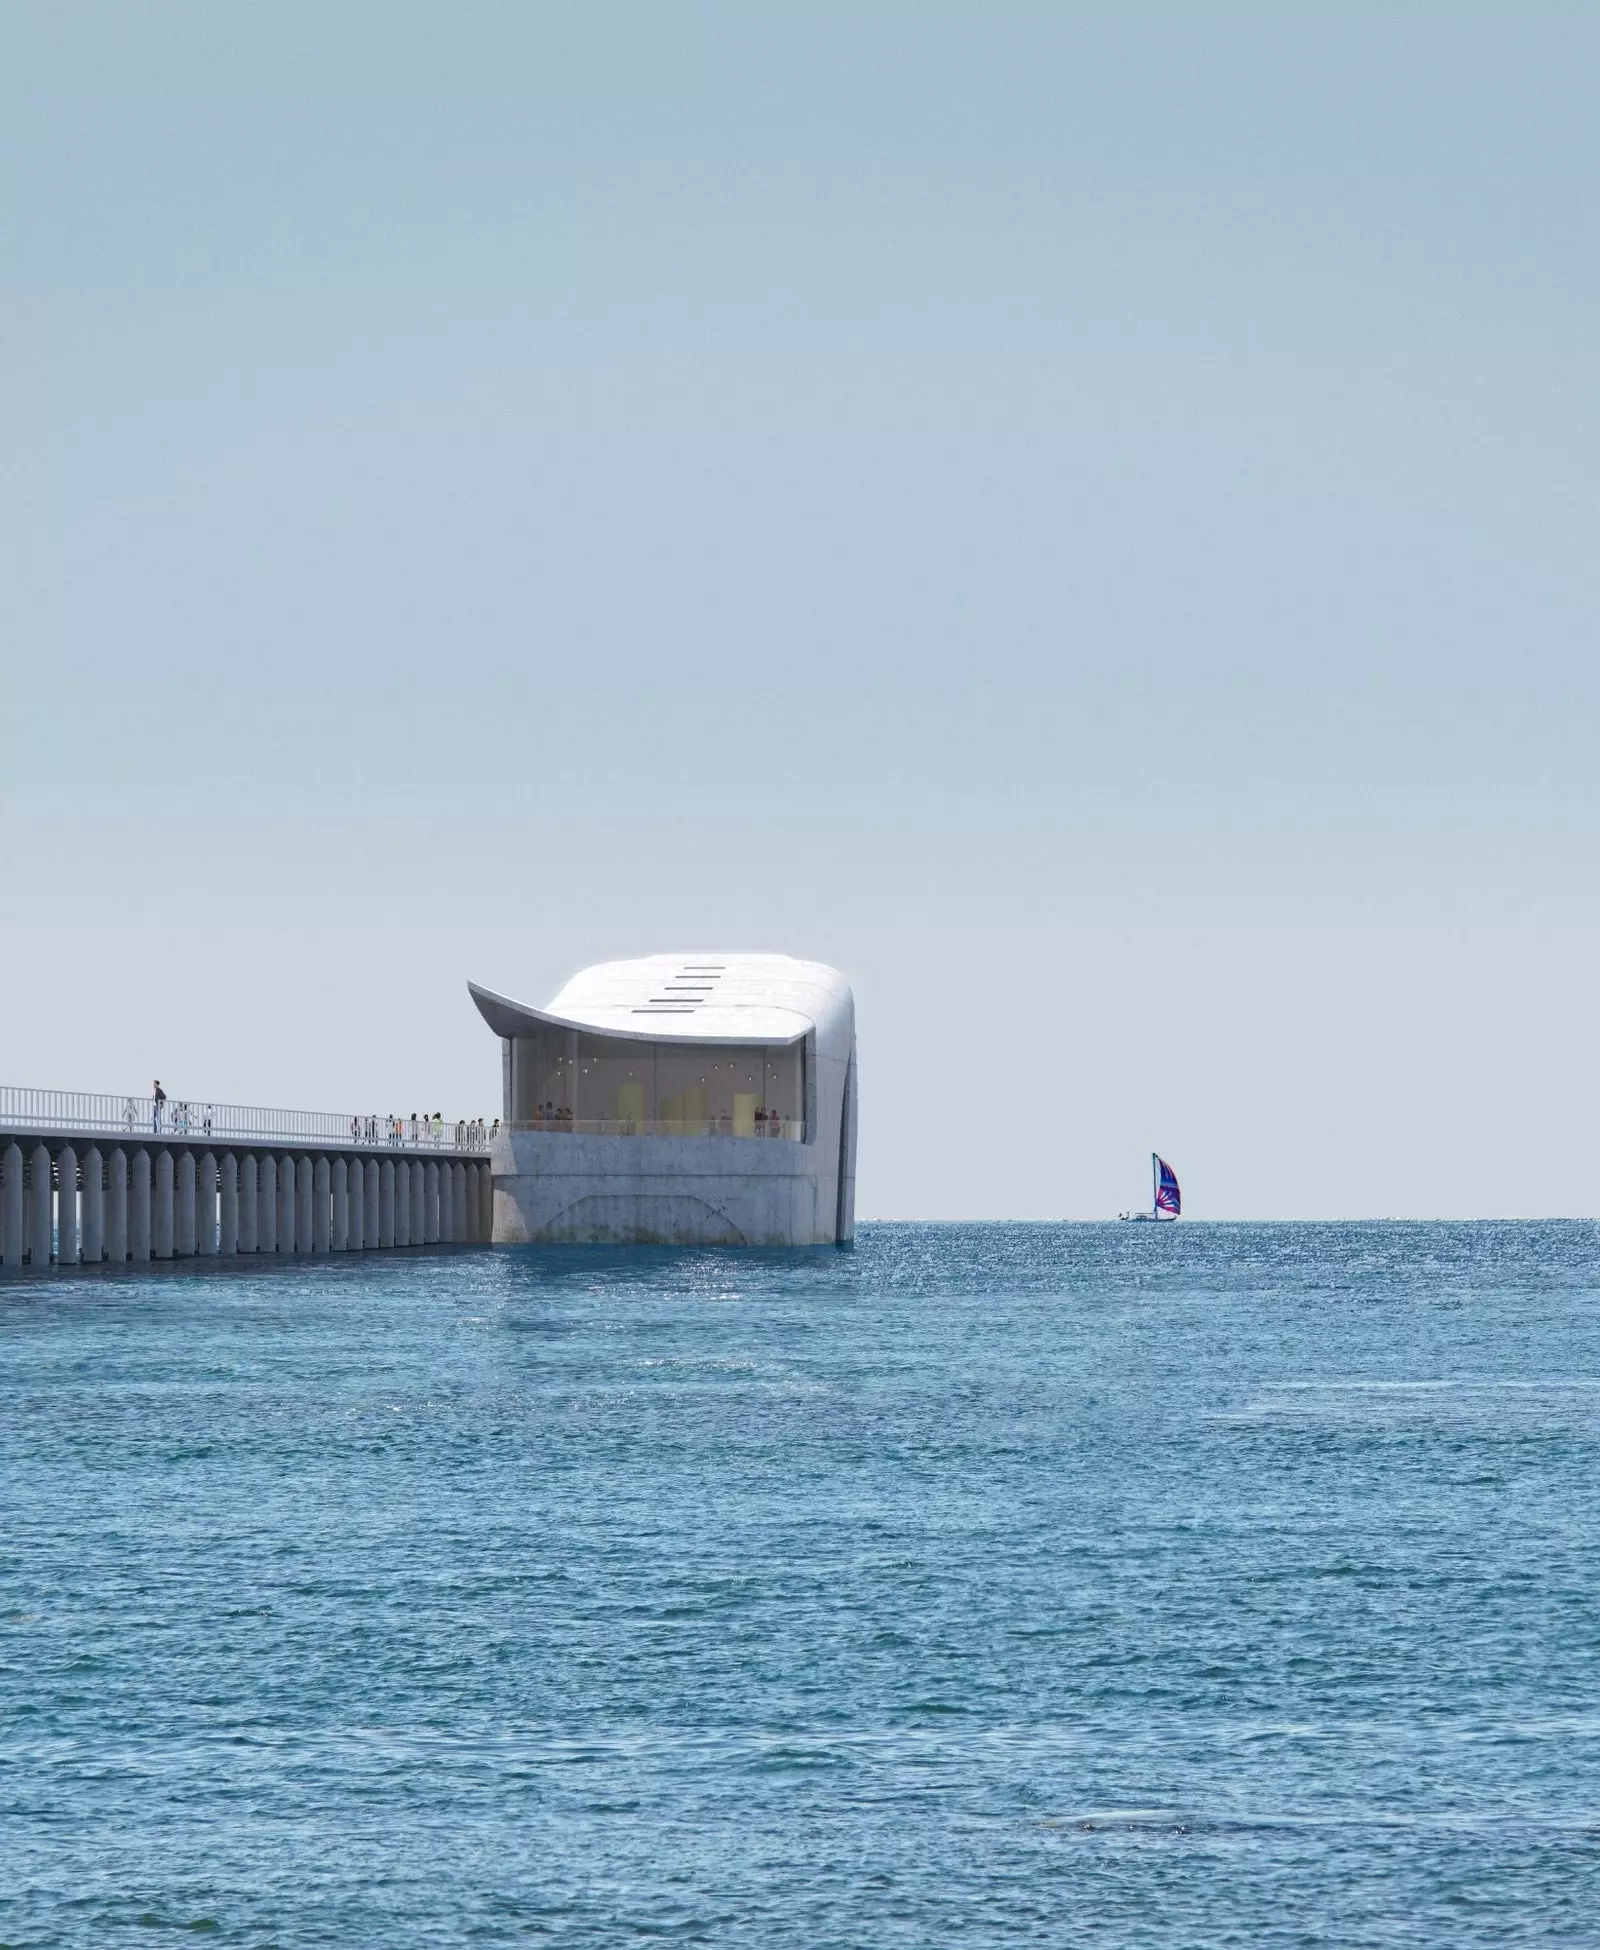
x,y
89,1179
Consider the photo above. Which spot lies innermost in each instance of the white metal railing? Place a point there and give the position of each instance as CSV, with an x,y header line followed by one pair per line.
x,y
792,1128
22,1109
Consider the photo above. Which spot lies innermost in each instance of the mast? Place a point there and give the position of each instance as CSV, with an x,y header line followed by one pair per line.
x,y
1155,1186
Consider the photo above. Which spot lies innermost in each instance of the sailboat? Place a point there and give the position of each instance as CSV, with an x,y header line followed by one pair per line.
x,y
1166,1199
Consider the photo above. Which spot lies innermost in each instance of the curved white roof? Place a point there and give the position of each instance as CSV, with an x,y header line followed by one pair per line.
x,y
691,998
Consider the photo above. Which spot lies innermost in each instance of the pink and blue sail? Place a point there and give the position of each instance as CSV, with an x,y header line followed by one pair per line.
x,y
1169,1200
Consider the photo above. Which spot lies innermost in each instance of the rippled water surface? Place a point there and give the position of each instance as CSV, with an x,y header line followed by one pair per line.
x,y
988,1585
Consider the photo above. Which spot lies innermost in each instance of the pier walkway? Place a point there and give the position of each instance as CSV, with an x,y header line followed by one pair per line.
x,y
87,1179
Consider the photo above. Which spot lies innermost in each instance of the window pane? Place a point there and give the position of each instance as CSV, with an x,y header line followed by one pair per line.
x,y
610,1085
616,1083
541,1077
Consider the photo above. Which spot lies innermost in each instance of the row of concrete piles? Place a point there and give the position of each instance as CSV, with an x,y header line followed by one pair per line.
x,y
136,1202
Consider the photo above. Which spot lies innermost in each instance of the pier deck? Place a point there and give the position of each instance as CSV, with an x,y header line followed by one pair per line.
x,y
88,1178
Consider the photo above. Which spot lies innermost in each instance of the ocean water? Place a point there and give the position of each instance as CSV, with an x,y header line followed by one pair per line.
x,y
988,1585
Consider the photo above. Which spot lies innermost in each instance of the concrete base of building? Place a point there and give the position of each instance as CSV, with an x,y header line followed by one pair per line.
x,y
572,1189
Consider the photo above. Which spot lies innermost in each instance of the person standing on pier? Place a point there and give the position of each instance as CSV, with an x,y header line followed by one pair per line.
x,y
158,1099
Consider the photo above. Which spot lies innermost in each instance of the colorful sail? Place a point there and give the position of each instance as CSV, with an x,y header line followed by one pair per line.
x,y
1168,1197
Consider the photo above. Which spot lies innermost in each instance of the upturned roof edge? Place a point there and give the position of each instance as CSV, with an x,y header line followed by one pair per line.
x,y
507,1017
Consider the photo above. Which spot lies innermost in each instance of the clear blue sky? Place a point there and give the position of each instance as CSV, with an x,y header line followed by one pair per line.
x,y
1082,515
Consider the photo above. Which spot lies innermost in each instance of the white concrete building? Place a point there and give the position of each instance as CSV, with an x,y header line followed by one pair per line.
x,y
698,1099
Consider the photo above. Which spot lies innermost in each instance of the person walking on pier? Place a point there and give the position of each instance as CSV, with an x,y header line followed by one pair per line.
x,y
158,1098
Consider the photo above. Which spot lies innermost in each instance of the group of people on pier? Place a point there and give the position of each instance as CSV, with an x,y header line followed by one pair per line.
x,y
182,1119
471,1134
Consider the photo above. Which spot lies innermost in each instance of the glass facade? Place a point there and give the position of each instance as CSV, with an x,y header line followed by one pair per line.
x,y
568,1079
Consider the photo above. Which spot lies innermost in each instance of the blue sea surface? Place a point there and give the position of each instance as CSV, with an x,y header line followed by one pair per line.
x,y
1195,1585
